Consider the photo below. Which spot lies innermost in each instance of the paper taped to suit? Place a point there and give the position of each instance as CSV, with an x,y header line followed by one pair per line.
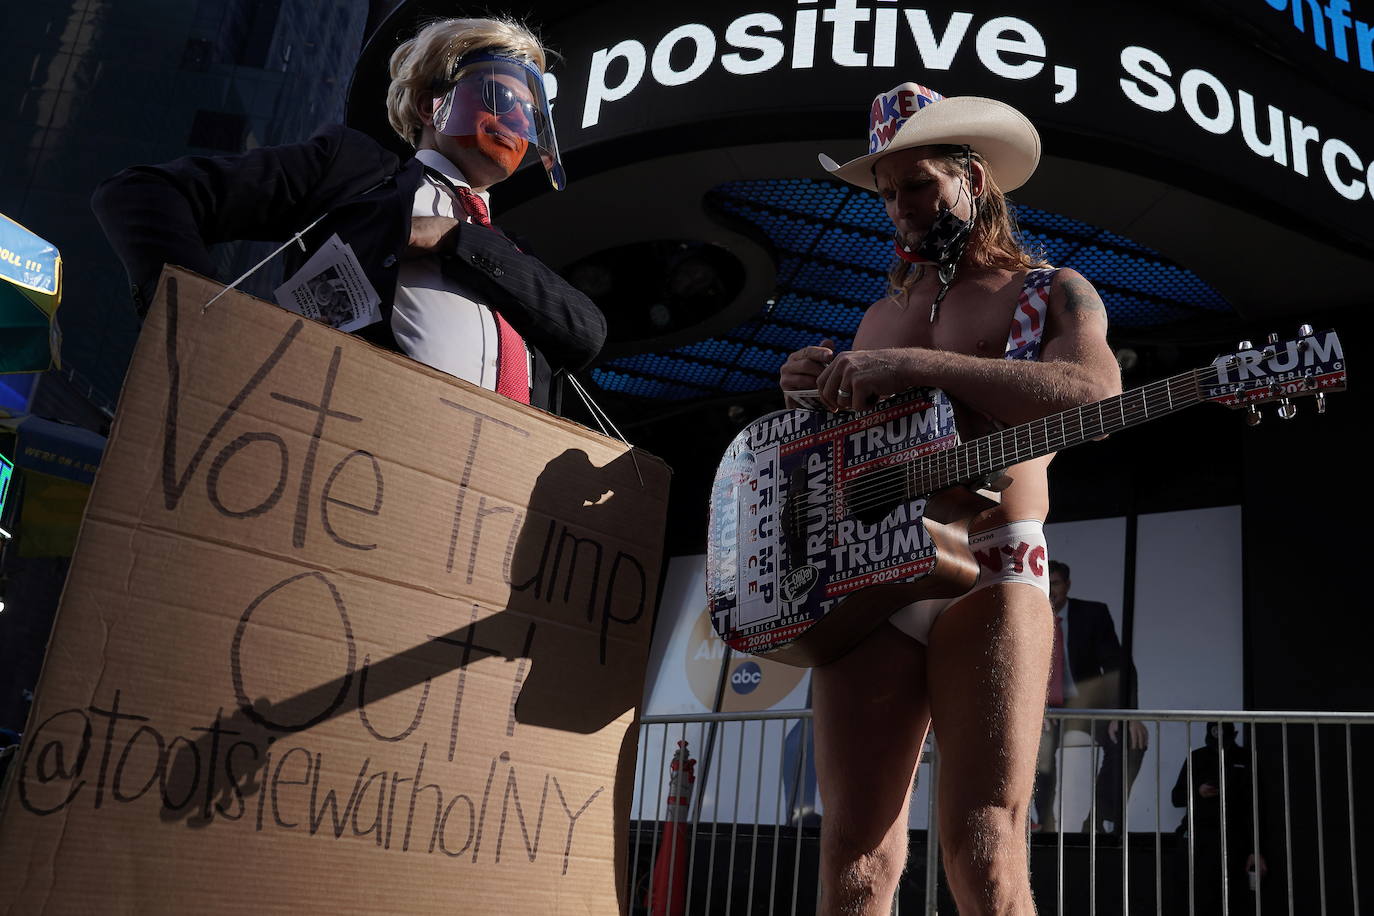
x,y
332,288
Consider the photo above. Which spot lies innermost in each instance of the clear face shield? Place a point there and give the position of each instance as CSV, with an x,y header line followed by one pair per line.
x,y
497,104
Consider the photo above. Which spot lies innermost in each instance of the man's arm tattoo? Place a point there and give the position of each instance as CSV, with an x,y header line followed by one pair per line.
x,y
1079,295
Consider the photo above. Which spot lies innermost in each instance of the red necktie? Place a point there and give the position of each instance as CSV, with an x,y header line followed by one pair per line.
x,y
512,370
1056,693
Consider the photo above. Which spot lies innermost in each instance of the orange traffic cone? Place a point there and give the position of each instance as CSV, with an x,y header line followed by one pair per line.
x,y
668,885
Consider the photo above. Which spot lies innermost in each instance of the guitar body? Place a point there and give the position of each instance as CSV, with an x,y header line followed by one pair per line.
x,y
824,525
808,552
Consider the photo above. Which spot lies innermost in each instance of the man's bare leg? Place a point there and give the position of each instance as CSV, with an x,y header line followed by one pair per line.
x,y
988,666
871,718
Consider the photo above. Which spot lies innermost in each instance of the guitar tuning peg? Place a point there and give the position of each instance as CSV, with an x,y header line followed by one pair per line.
x,y
1253,416
1304,330
1287,409
1273,338
1245,345
1321,402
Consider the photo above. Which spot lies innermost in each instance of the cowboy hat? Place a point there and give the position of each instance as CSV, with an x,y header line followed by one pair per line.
x,y
912,115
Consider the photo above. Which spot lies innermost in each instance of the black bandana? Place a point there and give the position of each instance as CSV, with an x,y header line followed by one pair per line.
x,y
945,240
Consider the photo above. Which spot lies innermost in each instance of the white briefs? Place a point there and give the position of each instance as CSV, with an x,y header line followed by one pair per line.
x,y
1015,552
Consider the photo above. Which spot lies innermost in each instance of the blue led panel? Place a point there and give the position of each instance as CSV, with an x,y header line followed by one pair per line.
x,y
833,245
6,474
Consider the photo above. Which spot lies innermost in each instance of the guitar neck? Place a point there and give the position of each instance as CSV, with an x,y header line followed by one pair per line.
x,y
985,458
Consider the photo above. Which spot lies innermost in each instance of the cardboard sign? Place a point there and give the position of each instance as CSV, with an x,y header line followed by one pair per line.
x,y
342,634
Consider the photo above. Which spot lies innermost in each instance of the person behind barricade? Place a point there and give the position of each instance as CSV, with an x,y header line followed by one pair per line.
x,y
413,261
1244,867
1012,340
1087,668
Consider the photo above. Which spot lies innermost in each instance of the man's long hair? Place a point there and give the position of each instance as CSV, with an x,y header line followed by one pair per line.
x,y
993,242
421,64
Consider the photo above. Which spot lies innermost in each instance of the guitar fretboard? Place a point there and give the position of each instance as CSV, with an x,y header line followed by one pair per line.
x,y
987,456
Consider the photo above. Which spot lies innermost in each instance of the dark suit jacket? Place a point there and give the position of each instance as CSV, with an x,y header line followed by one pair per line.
x,y
1096,659
172,213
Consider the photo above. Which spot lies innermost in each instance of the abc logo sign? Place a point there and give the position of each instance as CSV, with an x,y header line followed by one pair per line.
x,y
746,677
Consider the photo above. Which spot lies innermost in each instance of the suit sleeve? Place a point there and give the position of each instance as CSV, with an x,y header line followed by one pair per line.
x,y
1109,655
560,321
172,213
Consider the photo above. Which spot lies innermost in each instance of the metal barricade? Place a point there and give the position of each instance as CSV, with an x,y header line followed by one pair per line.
x,y
1279,834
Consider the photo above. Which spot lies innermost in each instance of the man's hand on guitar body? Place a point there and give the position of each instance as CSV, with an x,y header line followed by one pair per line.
x,y
851,380
858,379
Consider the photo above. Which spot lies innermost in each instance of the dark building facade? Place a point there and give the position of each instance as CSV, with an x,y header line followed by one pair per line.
x,y
92,87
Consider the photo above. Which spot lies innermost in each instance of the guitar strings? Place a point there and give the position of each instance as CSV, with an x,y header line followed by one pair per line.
x,y
1014,440
886,486
964,461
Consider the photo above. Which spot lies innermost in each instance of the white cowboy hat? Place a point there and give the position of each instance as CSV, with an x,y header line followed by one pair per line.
x,y
912,115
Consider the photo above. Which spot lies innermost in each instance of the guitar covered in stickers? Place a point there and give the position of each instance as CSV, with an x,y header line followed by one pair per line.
x,y
823,525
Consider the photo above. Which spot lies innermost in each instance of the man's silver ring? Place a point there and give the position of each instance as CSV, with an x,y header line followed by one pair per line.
x,y
841,393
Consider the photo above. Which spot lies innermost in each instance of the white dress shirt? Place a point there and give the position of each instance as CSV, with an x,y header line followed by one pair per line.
x,y
437,320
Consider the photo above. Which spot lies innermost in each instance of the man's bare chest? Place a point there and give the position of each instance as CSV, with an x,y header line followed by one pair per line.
x,y
975,320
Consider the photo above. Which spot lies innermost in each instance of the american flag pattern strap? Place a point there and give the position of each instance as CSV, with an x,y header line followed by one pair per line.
x,y
1028,320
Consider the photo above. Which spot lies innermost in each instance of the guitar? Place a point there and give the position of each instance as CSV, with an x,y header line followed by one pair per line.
x,y
823,525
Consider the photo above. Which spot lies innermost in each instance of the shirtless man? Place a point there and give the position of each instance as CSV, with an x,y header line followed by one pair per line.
x,y
975,666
